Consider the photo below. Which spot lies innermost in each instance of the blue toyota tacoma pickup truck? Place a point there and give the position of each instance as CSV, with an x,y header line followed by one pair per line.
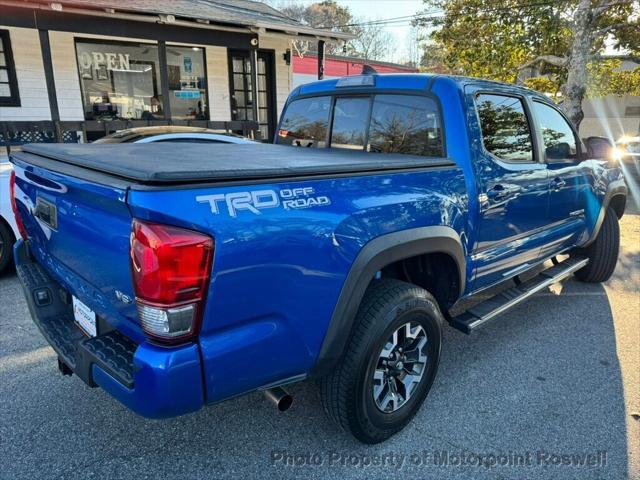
x,y
176,276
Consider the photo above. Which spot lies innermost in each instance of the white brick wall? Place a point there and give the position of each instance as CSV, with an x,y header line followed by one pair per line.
x,y
65,75
32,85
218,83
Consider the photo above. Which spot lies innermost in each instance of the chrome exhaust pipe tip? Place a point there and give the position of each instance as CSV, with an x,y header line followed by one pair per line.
x,y
280,398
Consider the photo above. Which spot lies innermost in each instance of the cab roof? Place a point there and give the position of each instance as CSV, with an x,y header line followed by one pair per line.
x,y
410,81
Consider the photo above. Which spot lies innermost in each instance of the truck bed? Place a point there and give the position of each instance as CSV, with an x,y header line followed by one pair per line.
x,y
169,163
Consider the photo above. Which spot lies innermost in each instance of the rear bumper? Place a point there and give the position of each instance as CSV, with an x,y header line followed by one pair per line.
x,y
153,381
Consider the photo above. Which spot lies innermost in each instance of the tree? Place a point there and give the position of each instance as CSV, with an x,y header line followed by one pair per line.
x,y
372,42
326,14
433,59
558,43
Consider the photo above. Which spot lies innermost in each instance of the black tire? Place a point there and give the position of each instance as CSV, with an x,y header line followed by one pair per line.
x,y
603,252
6,247
347,392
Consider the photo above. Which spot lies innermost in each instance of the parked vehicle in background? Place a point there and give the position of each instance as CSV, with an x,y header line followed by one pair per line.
x,y
8,228
175,276
172,133
627,151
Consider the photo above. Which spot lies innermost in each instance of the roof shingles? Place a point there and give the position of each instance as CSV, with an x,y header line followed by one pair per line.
x,y
235,12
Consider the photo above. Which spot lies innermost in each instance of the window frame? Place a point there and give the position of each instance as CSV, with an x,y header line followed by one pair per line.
x,y
10,67
533,132
579,147
371,94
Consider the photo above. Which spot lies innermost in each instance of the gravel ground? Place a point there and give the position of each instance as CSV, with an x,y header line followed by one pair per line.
x,y
560,375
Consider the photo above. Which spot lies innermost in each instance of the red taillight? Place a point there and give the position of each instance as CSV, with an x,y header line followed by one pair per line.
x,y
14,205
171,268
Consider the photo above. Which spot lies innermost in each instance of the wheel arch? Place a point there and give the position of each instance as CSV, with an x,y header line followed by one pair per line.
x,y
373,257
618,202
616,198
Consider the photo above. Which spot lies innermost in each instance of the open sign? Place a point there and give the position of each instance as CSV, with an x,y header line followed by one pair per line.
x,y
113,61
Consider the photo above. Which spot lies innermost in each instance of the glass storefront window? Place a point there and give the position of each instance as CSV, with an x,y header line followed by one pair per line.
x,y
119,80
187,82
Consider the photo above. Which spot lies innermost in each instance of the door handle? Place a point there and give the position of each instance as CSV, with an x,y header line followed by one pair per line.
x,y
497,192
558,183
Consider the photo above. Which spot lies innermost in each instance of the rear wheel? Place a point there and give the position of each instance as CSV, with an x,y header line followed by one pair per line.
x,y
603,252
390,363
6,247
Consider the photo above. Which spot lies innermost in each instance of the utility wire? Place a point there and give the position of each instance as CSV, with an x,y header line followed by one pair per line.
x,y
425,16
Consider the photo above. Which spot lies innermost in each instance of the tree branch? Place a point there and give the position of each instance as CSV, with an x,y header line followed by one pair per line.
x,y
630,58
550,59
603,5
609,28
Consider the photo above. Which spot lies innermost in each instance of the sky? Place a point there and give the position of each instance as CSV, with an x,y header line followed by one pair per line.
x,y
382,9
377,10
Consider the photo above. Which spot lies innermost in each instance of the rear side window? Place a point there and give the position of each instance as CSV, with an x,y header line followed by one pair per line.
x,y
405,124
505,129
557,135
305,123
350,118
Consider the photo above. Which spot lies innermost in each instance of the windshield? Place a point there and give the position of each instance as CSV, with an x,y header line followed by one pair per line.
x,y
123,136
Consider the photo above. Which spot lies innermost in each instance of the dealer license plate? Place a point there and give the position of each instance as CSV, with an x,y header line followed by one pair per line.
x,y
85,317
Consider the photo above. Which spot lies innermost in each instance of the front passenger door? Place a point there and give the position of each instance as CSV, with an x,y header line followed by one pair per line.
x,y
568,180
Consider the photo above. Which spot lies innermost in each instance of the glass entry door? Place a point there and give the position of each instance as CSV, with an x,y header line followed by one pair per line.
x,y
242,91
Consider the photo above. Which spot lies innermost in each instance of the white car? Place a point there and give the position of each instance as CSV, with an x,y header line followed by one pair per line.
x,y
171,133
627,152
8,228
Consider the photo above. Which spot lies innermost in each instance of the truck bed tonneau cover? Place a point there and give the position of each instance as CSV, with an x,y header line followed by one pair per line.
x,y
160,163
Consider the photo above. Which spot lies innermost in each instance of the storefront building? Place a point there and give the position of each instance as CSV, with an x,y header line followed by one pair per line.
x,y
83,68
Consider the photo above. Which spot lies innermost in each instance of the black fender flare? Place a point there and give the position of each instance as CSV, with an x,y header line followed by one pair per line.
x,y
617,188
376,254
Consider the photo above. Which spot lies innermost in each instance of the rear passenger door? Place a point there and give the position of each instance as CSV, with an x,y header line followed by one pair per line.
x,y
512,186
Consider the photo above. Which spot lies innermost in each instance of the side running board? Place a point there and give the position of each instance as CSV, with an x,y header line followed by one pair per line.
x,y
481,313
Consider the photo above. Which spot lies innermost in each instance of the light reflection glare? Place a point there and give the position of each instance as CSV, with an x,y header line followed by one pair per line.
x,y
601,112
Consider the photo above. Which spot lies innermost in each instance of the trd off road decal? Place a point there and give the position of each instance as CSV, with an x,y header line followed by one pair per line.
x,y
256,200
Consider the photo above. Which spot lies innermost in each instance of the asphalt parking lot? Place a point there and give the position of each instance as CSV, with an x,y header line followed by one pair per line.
x,y
558,376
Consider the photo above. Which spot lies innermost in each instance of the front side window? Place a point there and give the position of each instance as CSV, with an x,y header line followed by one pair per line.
x,y
119,80
187,83
505,129
350,117
405,124
557,135
305,123
9,96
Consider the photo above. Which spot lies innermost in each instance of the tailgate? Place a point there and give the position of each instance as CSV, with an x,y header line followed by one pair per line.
x,y
79,231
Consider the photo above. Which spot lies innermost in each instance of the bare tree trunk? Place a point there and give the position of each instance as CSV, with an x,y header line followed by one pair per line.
x,y
576,86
